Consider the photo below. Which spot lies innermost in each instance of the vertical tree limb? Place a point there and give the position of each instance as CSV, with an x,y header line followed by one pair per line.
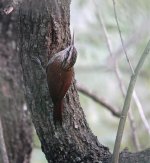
x,y
135,97
127,104
118,77
116,18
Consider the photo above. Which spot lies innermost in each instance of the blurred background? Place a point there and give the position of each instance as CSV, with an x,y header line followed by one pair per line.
x,y
95,68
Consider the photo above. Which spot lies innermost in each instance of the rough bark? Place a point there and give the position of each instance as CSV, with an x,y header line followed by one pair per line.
x,y
16,123
44,31
139,157
3,152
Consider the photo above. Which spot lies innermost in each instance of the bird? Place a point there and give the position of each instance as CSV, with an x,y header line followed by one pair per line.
x,y
60,73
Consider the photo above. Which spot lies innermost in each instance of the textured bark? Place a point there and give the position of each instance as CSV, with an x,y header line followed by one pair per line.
x,y
16,123
139,157
3,152
44,31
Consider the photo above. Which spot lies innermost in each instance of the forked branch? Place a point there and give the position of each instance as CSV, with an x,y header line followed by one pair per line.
x,y
127,104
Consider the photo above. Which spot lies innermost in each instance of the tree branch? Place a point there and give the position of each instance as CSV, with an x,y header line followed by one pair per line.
x,y
127,104
103,102
135,39
116,18
135,97
141,112
118,76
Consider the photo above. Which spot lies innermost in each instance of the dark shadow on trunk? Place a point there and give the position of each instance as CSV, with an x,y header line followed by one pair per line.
x,y
16,123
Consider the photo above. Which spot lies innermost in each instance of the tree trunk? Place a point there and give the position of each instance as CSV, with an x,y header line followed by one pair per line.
x,y
16,123
44,31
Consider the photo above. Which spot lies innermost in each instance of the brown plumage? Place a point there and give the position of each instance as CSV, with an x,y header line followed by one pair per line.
x,y
59,77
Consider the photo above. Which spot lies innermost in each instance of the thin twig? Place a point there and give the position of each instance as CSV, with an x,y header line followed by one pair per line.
x,y
127,104
115,12
108,42
133,128
3,152
137,36
99,100
136,99
140,109
118,76
130,115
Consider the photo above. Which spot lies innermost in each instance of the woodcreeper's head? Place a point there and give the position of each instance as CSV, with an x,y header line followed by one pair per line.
x,y
69,57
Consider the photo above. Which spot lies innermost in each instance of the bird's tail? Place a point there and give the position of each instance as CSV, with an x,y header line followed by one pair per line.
x,y
57,114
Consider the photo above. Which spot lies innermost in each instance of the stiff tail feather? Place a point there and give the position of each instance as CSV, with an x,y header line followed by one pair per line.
x,y
57,114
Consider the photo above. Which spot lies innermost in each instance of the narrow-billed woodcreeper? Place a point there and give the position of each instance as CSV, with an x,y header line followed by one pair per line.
x,y
59,77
